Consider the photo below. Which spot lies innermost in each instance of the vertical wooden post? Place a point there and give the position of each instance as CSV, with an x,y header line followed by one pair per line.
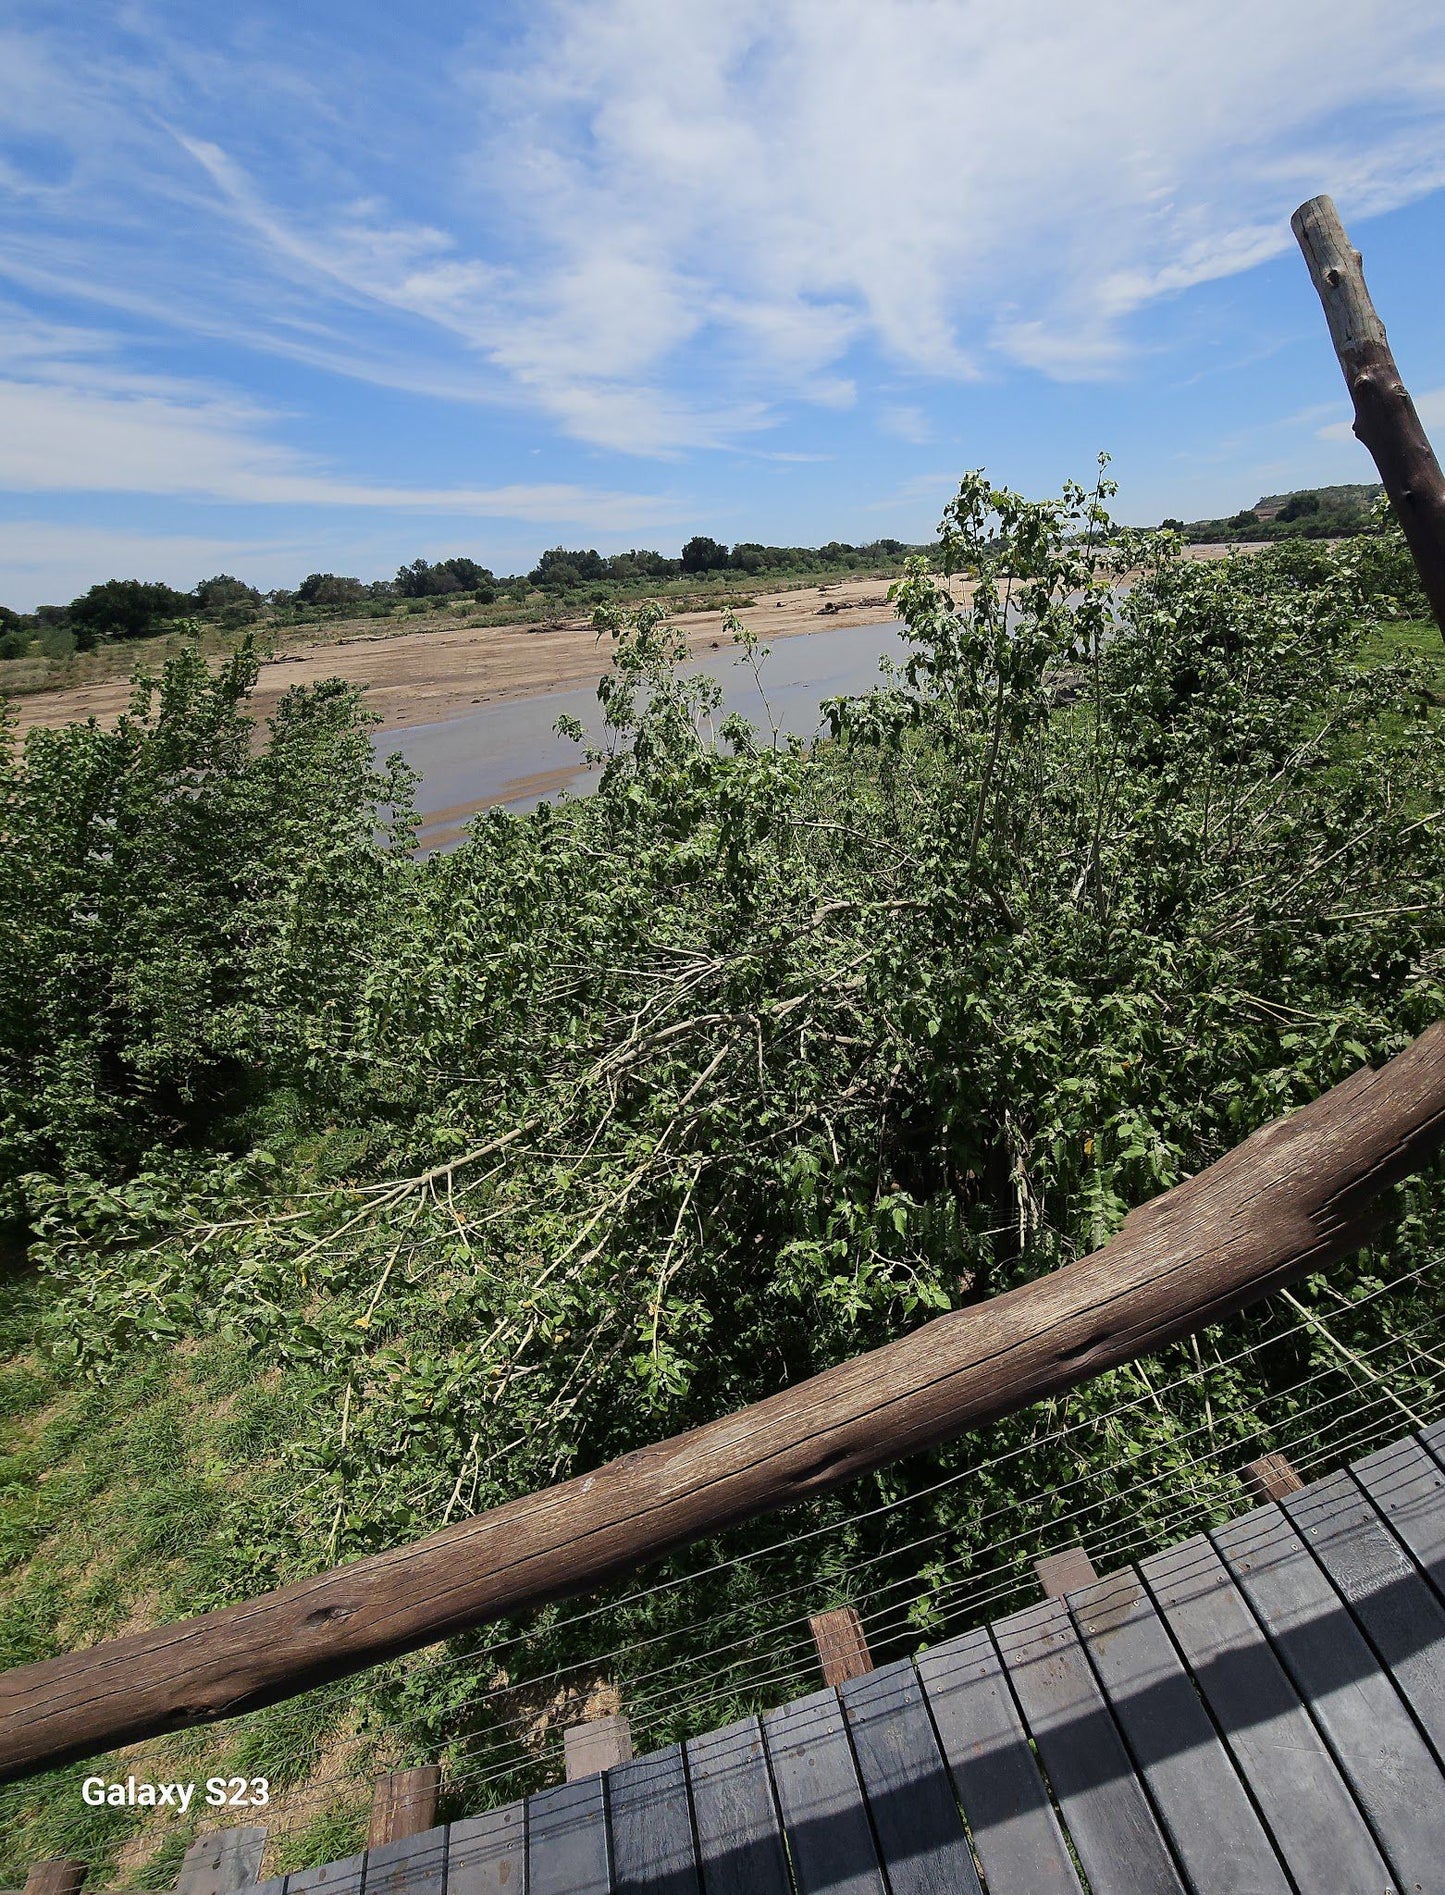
x,y
404,1804
842,1649
1065,1571
63,1876
220,1861
1385,417
599,1744
1270,1477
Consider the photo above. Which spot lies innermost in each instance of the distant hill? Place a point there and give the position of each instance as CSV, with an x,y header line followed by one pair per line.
x,y
1357,499
1313,513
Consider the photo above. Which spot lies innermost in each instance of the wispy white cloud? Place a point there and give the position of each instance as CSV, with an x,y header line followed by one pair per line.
x,y
958,183
660,223
73,421
906,421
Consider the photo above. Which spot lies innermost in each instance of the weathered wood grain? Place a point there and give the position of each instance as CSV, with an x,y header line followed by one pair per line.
x,y
62,1875
1217,1836
1092,1774
331,1878
739,1835
404,1803
1385,417
841,1645
653,1852
1401,1615
567,1841
1299,1194
1314,1820
414,1864
1380,1751
829,1837
915,1816
487,1855
1020,1845
1408,1487
220,1861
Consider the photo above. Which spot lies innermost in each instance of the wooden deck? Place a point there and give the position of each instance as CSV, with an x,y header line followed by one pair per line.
x,y
1259,1710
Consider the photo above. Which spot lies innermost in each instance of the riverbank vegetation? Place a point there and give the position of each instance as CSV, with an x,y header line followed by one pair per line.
x,y
103,633
351,1193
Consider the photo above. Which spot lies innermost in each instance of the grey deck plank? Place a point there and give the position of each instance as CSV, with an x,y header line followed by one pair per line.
x,y
1103,1802
567,1840
739,1835
1013,1824
1434,1439
1312,1815
332,1878
1217,1836
1385,1590
652,1845
830,1839
487,1854
1381,1753
916,1824
1407,1485
416,1865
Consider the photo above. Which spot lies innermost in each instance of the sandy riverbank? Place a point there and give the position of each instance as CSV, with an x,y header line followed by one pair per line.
x,y
421,677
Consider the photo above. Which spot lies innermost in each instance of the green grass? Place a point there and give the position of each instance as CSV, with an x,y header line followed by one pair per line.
x,y
1409,638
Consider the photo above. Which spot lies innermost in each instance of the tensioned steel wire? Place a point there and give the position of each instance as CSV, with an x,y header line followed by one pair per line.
x,y
1201,1372
797,1658
1193,1376
795,1664
647,1696
1027,1536
972,1472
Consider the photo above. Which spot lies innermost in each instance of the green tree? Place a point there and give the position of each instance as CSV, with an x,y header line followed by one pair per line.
x,y
702,554
1299,507
329,588
213,595
124,608
193,915
559,568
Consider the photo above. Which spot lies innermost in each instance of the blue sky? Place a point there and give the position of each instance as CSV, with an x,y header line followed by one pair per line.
x,y
330,287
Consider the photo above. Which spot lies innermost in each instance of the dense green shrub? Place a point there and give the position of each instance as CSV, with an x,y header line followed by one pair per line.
x,y
629,1111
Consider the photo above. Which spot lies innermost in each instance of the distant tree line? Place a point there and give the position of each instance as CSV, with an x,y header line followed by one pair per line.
x,y
122,609
562,567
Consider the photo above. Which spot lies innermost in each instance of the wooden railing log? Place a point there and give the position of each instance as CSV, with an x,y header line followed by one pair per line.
x,y
1299,1194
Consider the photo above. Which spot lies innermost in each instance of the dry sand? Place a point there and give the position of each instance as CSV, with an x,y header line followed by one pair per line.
x,y
420,677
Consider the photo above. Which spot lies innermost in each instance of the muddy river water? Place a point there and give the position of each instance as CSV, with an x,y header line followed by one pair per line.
x,y
509,754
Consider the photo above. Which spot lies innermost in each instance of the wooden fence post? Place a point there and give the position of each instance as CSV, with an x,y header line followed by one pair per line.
x,y
1270,1478
404,1803
599,1744
842,1649
63,1876
1065,1571
221,1861
1385,417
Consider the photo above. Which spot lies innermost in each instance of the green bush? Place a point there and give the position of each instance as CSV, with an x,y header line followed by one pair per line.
x,y
630,1111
